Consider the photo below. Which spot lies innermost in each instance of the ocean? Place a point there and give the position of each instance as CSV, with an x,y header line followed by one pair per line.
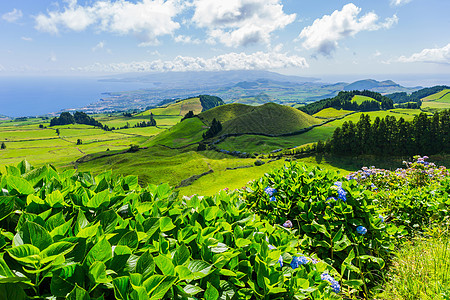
x,y
34,96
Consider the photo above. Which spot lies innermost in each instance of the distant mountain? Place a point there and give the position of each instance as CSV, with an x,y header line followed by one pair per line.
x,y
387,86
198,79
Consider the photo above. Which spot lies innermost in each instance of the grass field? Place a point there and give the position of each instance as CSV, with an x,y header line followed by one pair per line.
x,y
442,96
435,105
176,109
331,113
360,99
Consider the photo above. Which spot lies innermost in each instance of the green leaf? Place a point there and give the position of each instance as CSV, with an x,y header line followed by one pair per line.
x,y
165,265
241,243
377,260
210,213
199,268
158,285
101,251
121,285
78,293
97,273
59,248
88,232
145,265
129,239
166,224
19,184
36,235
28,254
211,292
182,255
54,221
191,290
55,199
353,283
6,206
12,291
98,200
24,167
4,268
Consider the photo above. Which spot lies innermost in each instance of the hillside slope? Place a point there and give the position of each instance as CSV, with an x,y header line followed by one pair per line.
x,y
269,118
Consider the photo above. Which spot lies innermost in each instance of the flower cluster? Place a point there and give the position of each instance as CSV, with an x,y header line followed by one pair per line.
x,y
361,230
287,224
342,194
334,283
271,191
298,260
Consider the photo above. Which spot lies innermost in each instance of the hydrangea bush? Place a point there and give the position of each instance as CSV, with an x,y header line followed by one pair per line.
x,y
336,219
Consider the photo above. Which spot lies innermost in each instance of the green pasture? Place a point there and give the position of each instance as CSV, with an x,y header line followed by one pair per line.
x,y
442,96
176,109
29,134
331,113
360,99
143,131
435,105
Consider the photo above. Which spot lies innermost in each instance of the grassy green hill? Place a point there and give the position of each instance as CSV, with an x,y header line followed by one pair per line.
x,y
360,99
331,113
442,96
179,108
269,118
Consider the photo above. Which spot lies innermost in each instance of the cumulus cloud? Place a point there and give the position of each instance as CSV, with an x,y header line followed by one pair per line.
x,y
399,2
186,40
240,22
323,35
230,61
13,15
146,19
434,55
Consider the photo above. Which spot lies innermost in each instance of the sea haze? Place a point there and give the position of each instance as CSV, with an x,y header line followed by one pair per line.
x,y
34,96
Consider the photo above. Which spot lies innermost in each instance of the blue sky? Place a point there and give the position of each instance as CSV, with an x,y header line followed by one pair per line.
x,y
299,37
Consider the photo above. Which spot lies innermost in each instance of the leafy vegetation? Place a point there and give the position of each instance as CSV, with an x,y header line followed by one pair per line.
x,y
78,117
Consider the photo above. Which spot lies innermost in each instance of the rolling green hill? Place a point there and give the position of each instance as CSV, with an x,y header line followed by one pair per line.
x,y
442,96
360,99
270,118
331,113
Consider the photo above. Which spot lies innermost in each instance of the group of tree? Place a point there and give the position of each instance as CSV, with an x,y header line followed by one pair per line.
x,y
416,96
214,129
209,102
344,100
423,135
188,115
66,118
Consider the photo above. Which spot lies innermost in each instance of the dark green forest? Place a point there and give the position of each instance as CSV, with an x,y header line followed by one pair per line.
x,y
403,97
344,101
78,117
391,136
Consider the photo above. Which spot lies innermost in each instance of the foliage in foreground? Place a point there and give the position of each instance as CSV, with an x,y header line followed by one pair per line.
x,y
75,236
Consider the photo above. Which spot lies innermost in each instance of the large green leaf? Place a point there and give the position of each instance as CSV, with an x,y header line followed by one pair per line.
x,y
97,273
165,265
166,224
6,206
12,291
158,285
199,268
98,200
24,167
19,184
59,248
182,255
211,292
28,254
55,199
121,285
145,265
36,235
78,293
101,251
129,239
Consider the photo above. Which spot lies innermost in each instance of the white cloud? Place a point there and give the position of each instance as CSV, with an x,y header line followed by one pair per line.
x,y
13,15
377,53
230,61
186,40
146,19
323,35
26,39
435,55
240,22
52,57
399,2
99,46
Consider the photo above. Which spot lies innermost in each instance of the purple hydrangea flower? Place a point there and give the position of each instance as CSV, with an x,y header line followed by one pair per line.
x,y
288,224
361,230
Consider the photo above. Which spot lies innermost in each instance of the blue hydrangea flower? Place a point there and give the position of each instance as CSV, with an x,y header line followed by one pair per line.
x,y
270,191
342,194
272,247
361,230
338,184
297,261
288,224
280,261
374,187
334,283
272,199
381,218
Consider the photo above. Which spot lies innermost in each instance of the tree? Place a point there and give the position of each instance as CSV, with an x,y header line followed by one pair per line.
x,y
3,146
215,128
57,131
79,142
189,115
